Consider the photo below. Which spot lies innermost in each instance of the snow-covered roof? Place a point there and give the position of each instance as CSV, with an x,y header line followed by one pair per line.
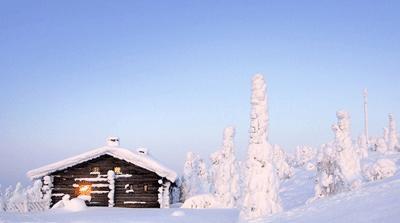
x,y
142,160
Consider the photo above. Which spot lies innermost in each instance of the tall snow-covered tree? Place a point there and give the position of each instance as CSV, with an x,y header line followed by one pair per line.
x,y
225,171
393,142
348,159
338,163
262,183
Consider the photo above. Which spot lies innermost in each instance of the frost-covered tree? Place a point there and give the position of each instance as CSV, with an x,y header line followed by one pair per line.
x,y
280,160
362,147
348,159
329,178
393,142
2,201
225,171
190,179
203,176
19,194
338,163
303,155
262,183
34,193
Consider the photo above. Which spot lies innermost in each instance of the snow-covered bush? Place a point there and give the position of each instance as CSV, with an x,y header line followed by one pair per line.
x,y
261,183
202,201
382,169
303,155
225,171
280,161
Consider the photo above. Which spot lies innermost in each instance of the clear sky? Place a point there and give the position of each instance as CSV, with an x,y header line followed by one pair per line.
x,y
170,75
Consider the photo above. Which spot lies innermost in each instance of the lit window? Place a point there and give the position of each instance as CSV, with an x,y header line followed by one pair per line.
x,y
84,189
95,170
117,170
145,187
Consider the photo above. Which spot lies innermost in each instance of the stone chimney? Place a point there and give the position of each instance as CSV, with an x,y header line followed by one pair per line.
x,y
113,141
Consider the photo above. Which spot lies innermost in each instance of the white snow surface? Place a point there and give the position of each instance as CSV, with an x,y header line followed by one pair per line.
x,y
128,215
144,161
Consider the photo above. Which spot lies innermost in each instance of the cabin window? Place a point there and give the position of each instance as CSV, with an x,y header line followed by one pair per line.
x,y
117,170
95,170
84,189
145,188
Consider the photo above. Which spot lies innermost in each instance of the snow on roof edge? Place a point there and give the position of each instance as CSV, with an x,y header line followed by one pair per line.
x,y
141,160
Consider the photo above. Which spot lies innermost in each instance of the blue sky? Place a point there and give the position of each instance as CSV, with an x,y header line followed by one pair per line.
x,y
170,75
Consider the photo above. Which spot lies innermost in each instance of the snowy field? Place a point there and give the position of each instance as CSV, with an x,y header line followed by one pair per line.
x,y
108,215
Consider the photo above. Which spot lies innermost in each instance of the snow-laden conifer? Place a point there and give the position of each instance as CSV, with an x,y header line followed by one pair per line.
x,y
261,184
190,181
338,162
225,171
393,142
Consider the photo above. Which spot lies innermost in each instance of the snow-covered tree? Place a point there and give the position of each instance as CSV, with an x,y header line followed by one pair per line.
x,y
190,179
393,142
348,159
338,162
2,201
225,171
303,155
19,194
329,178
362,147
34,193
203,176
262,183
280,160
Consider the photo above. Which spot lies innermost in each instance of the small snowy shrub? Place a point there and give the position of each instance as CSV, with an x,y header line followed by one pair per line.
x,y
382,169
280,160
201,201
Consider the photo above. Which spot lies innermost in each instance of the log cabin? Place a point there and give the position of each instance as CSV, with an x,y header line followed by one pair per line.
x,y
108,176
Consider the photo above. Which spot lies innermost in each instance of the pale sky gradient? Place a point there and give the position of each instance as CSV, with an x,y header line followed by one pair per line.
x,y
170,75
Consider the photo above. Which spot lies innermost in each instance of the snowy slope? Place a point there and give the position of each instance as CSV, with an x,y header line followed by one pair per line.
x,y
374,202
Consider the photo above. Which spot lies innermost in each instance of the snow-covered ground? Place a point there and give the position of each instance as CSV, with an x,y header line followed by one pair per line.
x,y
117,215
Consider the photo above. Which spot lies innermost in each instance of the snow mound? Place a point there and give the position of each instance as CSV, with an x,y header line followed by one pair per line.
x,y
75,204
382,169
178,213
201,201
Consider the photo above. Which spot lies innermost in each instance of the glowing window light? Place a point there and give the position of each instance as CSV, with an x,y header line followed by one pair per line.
x,y
117,170
84,189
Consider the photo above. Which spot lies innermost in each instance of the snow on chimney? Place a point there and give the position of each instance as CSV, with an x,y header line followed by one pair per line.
x,y
113,141
144,151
